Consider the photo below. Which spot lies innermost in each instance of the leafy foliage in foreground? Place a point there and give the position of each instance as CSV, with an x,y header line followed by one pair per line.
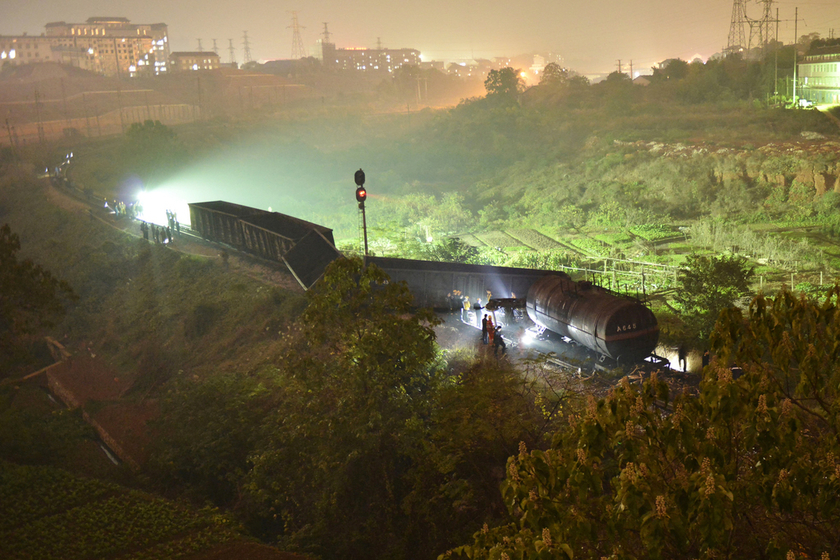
x,y
355,441
46,513
749,469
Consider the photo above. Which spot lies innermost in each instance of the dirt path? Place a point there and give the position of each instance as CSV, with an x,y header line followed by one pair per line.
x,y
257,269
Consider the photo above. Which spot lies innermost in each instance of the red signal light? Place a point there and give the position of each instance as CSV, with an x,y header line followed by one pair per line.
x,y
361,194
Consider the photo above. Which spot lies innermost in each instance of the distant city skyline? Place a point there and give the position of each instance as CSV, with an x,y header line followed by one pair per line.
x,y
590,38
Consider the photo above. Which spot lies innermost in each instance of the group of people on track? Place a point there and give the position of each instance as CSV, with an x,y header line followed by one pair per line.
x,y
492,335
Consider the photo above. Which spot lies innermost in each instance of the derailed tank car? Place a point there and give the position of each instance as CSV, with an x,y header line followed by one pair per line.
x,y
617,327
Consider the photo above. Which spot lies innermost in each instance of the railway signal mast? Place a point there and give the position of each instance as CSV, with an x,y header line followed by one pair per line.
x,y
361,196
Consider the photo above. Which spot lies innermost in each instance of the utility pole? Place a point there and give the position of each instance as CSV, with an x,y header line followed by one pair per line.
x,y
87,115
297,43
119,102
619,66
64,102
11,140
117,60
198,80
631,69
38,116
776,59
795,39
379,43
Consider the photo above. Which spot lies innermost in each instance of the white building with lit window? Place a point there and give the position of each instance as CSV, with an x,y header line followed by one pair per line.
x,y
366,60
819,76
108,45
25,49
189,61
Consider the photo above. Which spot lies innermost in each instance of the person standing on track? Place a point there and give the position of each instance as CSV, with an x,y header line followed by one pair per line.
x,y
499,342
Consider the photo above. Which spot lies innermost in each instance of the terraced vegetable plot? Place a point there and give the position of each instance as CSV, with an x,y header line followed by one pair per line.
x,y
51,515
471,240
589,245
653,232
498,239
534,239
617,238
30,493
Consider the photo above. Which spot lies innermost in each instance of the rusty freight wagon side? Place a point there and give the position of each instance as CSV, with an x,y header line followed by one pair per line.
x,y
220,221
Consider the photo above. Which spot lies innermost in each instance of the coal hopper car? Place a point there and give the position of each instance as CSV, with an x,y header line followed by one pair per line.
x,y
618,327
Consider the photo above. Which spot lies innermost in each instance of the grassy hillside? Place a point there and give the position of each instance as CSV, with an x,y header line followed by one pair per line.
x,y
142,306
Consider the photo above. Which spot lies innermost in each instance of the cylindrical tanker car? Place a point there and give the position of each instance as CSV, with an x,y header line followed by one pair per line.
x,y
617,327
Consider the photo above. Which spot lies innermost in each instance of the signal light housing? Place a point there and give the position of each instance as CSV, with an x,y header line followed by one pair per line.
x,y
361,194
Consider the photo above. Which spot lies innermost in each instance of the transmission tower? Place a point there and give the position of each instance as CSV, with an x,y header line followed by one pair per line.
x,y
246,47
379,43
760,28
297,43
737,42
215,48
232,52
200,48
326,33
759,36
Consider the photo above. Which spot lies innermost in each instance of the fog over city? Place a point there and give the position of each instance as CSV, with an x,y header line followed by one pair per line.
x,y
590,37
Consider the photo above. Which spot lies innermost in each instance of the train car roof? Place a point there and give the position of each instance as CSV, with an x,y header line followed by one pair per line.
x,y
281,224
230,208
388,263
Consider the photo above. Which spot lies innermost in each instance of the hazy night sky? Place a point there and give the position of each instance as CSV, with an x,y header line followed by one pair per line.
x,y
591,36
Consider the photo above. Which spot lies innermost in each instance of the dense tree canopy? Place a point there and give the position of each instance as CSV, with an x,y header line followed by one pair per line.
x,y
709,284
750,468
30,296
505,83
554,75
152,151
